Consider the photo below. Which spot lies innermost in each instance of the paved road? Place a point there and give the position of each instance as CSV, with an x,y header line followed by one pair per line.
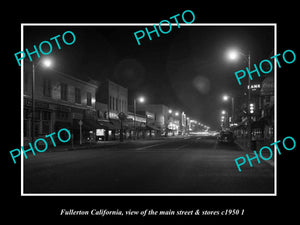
x,y
177,165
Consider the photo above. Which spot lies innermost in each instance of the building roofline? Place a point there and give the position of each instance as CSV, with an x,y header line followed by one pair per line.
x,y
74,78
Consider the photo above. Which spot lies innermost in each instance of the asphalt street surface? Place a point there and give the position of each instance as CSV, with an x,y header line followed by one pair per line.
x,y
183,165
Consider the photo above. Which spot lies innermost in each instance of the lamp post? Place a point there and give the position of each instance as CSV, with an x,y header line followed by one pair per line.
x,y
176,116
233,54
170,111
140,99
226,98
46,63
224,118
122,116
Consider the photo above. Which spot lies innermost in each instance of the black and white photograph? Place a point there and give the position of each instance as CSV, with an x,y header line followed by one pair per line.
x,y
171,114
164,117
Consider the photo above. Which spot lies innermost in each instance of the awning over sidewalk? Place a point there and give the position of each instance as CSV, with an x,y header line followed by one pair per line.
x,y
116,124
105,124
87,124
152,127
131,125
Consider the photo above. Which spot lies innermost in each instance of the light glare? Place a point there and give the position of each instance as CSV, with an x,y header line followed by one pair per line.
x,y
141,99
232,54
47,63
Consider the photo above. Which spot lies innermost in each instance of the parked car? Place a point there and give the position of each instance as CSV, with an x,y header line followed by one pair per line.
x,y
226,137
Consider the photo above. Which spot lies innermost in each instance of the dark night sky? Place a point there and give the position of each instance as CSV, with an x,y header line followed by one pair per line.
x,y
185,69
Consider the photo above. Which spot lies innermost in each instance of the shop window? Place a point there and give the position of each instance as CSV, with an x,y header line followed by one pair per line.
x,y
45,127
46,115
46,119
37,127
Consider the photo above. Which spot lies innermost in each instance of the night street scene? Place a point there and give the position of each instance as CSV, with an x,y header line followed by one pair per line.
x,y
164,117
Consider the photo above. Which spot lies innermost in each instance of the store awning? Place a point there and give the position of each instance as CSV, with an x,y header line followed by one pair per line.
x,y
105,124
128,123
116,124
87,124
113,124
152,127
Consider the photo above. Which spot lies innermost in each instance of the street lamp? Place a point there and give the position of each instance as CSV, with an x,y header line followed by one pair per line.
x,y
224,117
222,122
140,99
226,98
170,111
234,54
176,120
46,63
251,108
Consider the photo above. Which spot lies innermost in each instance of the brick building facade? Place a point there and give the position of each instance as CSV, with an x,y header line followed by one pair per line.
x,y
61,101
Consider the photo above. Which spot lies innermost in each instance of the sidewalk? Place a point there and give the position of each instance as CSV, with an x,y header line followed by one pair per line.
x,y
70,147
251,154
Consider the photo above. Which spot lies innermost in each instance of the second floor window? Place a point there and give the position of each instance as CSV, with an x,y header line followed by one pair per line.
x,y
47,88
113,103
77,96
64,91
88,98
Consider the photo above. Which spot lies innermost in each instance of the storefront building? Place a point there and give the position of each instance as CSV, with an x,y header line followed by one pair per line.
x,y
112,99
160,121
61,101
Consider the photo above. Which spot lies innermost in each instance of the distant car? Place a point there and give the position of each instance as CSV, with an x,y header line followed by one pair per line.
x,y
226,137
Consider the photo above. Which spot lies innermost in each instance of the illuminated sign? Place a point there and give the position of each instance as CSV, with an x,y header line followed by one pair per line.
x,y
150,115
113,115
253,87
99,132
137,118
173,126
